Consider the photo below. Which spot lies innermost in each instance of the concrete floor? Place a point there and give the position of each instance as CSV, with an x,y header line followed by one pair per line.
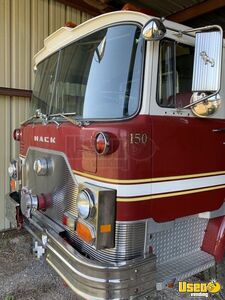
x,y
22,277
25,278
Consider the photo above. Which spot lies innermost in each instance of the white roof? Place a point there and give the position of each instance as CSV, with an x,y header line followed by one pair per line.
x,y
66,35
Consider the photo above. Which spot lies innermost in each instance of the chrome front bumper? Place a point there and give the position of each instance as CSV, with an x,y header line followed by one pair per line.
x,y
90,279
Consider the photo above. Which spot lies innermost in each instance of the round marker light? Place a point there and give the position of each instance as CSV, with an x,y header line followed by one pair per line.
x,y
70,24
102,143
85,204
17,134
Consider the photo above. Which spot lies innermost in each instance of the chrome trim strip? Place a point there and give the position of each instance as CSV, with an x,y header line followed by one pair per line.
x,y
43,219
31,232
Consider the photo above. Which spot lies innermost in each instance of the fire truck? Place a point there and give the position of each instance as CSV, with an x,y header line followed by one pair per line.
x,y
120,178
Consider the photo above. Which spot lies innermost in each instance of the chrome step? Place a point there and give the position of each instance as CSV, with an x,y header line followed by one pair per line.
x,y
182,267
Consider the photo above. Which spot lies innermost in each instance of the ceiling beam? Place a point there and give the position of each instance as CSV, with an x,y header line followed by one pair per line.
x,y
82,6
196,10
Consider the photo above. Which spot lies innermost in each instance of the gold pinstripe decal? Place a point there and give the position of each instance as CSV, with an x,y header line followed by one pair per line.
x,y
147,180
144,180
145,198
159,179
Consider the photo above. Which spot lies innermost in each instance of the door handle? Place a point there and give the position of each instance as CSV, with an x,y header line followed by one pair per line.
x,y
219,130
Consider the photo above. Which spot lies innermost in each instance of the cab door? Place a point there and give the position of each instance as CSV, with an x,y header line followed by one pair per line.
x,y
188,165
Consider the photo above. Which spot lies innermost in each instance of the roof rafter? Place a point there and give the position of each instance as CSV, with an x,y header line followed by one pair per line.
x,y
196,10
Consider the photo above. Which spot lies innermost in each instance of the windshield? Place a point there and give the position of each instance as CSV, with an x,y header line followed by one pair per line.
x,y
97,77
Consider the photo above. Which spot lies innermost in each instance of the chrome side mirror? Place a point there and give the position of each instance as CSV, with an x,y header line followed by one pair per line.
x,y
207,70
154,30
205,108
207,62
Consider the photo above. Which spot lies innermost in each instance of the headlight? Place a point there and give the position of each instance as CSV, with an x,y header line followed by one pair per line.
x,y
96,209
85,204
12,169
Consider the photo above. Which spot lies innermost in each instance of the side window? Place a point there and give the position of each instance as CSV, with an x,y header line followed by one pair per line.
x,y
44,84
175,74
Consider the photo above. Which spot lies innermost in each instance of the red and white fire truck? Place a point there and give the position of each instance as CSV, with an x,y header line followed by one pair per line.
x,y
121,173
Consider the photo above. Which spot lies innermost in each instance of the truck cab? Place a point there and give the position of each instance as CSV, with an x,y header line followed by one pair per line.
x,y
121,173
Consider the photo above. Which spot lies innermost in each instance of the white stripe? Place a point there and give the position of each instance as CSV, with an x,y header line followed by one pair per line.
x,y
187,184
134,190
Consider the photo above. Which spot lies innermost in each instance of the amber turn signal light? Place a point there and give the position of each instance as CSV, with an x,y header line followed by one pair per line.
x,y
13,184
85,232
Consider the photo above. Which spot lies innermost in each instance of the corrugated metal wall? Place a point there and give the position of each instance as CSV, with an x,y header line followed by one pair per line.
x,y
23,26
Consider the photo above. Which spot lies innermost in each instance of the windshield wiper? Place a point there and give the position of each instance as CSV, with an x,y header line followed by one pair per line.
x,y
46,118
67,117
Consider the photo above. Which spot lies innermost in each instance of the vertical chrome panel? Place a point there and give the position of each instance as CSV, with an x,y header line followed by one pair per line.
x,y
207,66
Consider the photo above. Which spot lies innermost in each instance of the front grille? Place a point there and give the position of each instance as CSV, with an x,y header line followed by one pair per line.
x,y
129,243
60,186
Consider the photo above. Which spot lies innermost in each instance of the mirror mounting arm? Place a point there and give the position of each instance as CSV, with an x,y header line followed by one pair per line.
x,y
198,101
205,28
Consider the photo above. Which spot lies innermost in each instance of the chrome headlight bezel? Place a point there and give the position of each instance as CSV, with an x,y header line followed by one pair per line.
x,y
85,204
13,169
100,214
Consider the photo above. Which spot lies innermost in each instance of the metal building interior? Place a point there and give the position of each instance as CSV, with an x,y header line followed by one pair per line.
x,y
192,13
47,16
24,24
39,18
